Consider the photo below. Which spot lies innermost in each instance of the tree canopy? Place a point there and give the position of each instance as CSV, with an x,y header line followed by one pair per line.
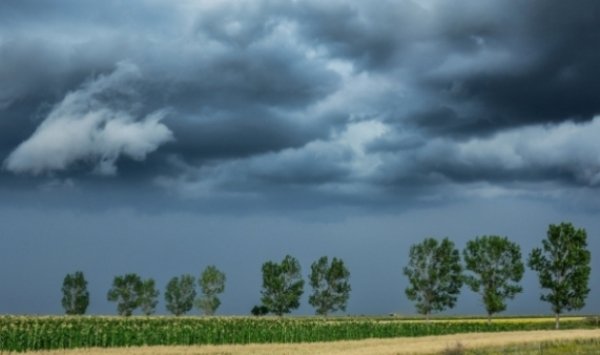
x,y
563,267
180,294
496,268
212,283
434,275
282,285
76,297
148,297
125,291
331,286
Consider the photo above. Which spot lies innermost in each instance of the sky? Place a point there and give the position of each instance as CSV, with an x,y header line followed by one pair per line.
x,y
160,137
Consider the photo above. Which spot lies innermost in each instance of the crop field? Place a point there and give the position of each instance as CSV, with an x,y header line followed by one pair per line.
x,y
535,342
39,333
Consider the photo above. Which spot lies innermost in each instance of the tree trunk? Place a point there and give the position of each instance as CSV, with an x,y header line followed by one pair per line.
x,y
489,318
427,317
556,321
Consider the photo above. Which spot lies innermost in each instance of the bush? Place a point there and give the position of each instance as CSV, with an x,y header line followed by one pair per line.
x,y
259,311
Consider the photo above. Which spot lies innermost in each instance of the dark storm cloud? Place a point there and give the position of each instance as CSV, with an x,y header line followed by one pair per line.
x,y
546,72
341,98
236,135
372,37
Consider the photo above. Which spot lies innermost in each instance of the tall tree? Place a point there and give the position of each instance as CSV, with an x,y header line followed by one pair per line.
x,y
180,294
148,297
434,273
563,267
282,285
212,283
76,297
331,286
496,269
125,291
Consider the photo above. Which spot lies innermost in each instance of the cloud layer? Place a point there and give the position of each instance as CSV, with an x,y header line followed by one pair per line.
x,y
339,101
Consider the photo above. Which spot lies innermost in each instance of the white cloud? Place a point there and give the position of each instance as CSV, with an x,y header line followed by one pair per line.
x,y
566,148
83,127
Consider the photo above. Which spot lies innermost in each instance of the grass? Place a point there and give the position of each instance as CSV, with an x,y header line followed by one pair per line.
x,y
579,346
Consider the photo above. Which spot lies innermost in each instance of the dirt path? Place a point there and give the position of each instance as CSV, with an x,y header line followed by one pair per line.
x,y
420,345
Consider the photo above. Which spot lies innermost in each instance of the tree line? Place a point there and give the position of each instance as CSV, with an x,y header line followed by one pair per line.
x,y
491,266
131,292
282,288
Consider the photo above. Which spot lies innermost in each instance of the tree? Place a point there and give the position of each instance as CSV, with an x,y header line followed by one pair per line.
x,y
125,291
282,285
496,269
212,283
148,297
563,267
434,273
180,294
331,288
76,297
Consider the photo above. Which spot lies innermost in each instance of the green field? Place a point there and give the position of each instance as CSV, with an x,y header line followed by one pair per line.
x,y
64,332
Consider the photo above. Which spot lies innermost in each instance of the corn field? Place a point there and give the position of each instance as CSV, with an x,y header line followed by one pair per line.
x,y
37,333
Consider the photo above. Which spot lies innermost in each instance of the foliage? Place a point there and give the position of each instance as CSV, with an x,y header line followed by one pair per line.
x,y
125,291
76,297
212,283
563,267
496,266
331,288
282,285
148,297
180,294
434,274
259,311
38,333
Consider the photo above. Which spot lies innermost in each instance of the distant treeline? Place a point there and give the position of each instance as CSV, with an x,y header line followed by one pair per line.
x,y
491,266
